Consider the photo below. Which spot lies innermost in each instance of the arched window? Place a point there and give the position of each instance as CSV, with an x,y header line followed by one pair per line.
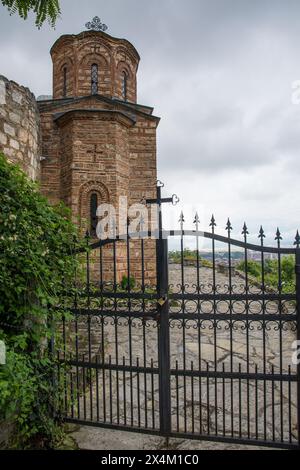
x,y
124,86
65,82
93,213
94,79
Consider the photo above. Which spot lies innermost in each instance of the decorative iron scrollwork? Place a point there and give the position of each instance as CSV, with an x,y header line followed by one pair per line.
x,y
96,24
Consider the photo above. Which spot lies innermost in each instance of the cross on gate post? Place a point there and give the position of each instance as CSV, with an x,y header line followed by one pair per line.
x,y
162,286
159,201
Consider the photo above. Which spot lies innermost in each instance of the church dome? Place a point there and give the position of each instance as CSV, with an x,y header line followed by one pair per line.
x,y
93,62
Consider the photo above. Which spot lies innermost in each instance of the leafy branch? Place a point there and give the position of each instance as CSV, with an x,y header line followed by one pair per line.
x,y
44,10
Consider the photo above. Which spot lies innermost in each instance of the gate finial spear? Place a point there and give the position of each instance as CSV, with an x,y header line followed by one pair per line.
x,y
228,226
181,220
261,233
297,240
212,221
278,235
245,230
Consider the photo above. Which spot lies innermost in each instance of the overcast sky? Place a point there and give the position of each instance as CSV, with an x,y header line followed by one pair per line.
x,y
219,73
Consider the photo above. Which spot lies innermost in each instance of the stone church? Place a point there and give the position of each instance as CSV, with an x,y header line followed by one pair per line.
x,y
91,142
98,143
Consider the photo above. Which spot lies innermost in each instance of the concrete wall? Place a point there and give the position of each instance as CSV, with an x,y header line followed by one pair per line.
x,y
19,127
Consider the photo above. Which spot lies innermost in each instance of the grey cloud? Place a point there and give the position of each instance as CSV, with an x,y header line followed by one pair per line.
x,y
219,73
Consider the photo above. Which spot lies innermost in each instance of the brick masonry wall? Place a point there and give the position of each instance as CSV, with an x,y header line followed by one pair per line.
x,y
98,144
97,149
85,147
77,53
19,127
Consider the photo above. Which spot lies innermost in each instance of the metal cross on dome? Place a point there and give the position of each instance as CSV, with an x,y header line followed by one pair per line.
x,y
96,25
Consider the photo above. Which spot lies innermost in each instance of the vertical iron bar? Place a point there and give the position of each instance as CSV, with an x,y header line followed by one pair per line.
x,y
223,399
177,397
245,233
88,291
76,342
289,406
263,290
278,237
198,263
145,373
256,402
192,403
84,387
124,392
163,327
273,405
116,321
77,368
152,395
110,392
103,370
130,364
240,401
215,324
229,228
97,386
138,391
72,395
200,378
298,337
207,399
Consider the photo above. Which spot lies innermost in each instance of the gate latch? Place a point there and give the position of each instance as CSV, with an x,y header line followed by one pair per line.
x,y
297,269
162,301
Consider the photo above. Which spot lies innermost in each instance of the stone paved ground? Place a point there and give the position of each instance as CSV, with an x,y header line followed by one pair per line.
x,y
199,404
89,438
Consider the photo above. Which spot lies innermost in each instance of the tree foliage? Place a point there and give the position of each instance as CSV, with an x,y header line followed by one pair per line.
x,y
44,10
271,272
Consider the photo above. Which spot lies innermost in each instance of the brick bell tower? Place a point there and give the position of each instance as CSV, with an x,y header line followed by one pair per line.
x,y
98,143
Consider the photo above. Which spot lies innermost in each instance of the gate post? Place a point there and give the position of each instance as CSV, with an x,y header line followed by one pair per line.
x,y
297,269
163,326
162,285
163,336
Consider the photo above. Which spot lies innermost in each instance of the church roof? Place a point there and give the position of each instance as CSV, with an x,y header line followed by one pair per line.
x,y
116,114
130,109
84,34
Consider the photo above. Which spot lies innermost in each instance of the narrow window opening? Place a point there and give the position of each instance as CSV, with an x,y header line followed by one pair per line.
x,y
93,213
94,79
124,86
65,82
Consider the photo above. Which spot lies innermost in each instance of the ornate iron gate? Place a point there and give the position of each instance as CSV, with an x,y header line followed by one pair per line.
x,y
206,353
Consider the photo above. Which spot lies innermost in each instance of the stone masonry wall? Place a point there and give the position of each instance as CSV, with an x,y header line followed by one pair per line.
x,y
19,127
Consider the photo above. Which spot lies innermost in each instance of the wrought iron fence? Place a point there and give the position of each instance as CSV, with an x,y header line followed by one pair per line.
x,y
205,352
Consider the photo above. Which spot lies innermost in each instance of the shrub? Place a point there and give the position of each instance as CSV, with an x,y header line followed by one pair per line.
x,y
271,272
124,282
35,270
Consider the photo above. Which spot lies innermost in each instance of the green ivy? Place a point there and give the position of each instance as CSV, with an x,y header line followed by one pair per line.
x,y
36,271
